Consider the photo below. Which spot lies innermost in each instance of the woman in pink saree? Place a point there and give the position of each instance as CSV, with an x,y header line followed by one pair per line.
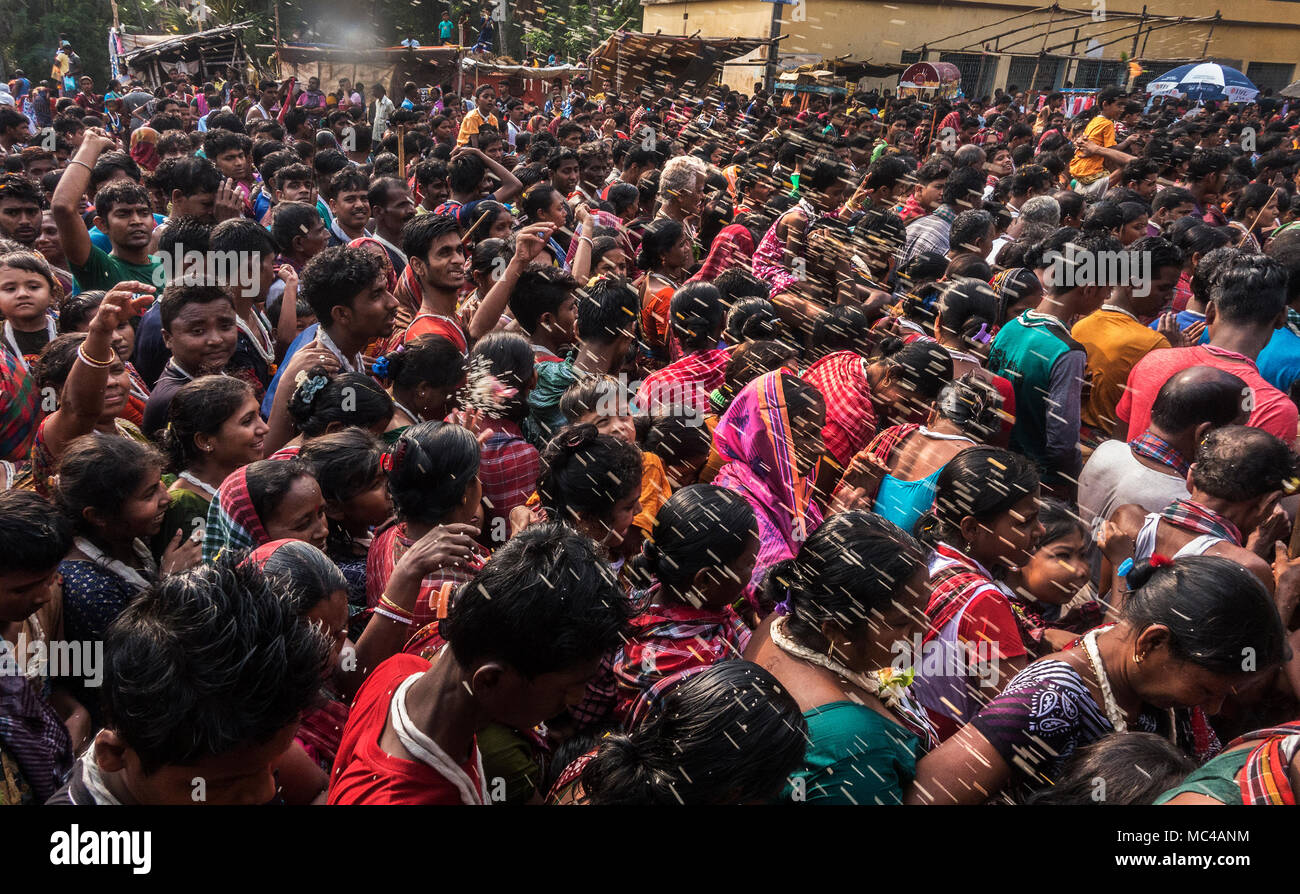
x,y
757,439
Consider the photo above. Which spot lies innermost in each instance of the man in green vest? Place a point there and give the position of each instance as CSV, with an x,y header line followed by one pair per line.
x,y
1046,366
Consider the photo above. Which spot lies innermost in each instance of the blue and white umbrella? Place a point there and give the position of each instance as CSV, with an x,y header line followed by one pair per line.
x,y
1203,81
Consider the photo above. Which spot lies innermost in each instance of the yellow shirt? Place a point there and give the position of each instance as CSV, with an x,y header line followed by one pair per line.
x,y
655,491
471,125
1115,342
1101,130
61,65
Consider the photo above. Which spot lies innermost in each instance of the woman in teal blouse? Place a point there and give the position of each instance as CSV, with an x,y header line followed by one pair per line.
x,y
856,589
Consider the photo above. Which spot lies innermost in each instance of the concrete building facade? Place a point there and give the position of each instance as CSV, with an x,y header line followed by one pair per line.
x,y
999,43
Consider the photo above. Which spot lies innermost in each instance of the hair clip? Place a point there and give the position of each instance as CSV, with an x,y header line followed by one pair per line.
x,y
983,336
1125,568
1159,561
442,603
310,386
386,462
380,367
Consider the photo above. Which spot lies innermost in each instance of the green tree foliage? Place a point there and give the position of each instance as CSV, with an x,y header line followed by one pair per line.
x,y
30,30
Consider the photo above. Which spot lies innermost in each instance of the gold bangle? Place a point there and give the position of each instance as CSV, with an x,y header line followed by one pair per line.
x,y
392,606
91,361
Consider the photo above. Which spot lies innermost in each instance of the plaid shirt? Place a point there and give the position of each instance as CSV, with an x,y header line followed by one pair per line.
x,y
19,408
687,383
32,736
929,233
850,416
1157,448
668,641
508,470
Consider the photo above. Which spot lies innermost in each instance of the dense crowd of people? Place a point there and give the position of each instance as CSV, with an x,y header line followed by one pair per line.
x,y
680,446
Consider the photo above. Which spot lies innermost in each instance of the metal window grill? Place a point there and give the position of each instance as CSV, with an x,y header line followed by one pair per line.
x,y
1096,73
1021,72
1270,74
970,64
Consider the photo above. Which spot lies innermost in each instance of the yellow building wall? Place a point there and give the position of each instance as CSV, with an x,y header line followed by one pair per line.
x,y
880,30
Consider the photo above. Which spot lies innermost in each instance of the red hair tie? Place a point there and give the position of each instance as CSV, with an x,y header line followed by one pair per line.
x,y
1159,561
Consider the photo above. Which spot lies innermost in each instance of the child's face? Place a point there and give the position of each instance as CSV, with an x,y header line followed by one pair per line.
x,y
300,515
723,586
304,322
1057,570
143,511
25,297
24,592
621,516
621,427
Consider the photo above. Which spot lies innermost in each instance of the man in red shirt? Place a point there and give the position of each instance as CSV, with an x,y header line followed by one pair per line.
x,y
1248,302
523,640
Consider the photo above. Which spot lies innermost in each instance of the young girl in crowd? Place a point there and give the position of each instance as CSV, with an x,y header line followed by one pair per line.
x,y
213,429
433,477
666,256
699,562
679,442
423,377
1055,575
592,482
509,465
29,294
111,489
856,589
348,467
984,522
271,499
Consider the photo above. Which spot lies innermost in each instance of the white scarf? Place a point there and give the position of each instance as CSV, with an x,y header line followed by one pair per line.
x,y
117,566
426,751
